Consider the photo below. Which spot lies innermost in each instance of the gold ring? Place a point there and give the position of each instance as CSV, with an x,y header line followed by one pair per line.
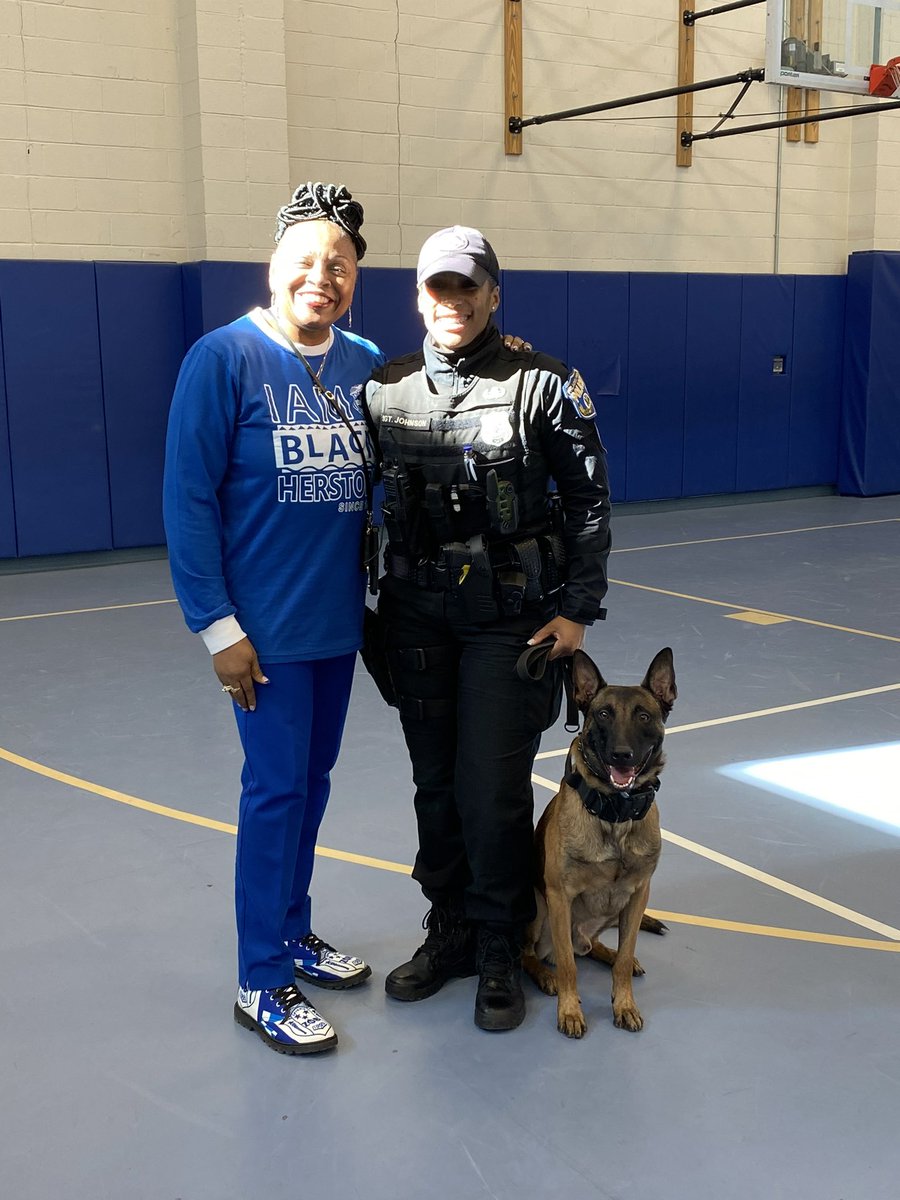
x,y
226,687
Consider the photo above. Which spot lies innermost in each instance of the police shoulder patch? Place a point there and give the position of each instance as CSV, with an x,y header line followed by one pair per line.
x,y
576,391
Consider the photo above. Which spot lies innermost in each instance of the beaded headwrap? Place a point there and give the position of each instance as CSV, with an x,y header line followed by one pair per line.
x,y
323,202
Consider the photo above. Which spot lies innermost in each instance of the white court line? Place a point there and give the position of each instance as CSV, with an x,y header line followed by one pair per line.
x,y
760,712
645,587
73,612
781,885
740,537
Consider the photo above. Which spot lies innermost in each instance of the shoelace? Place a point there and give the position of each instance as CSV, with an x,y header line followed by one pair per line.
x,y
497,955
441,930
289,997
315,944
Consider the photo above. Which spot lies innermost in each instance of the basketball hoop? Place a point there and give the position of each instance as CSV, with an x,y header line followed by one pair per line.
x,y
885,81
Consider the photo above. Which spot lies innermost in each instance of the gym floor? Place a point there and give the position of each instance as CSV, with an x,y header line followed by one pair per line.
x,y
769,1063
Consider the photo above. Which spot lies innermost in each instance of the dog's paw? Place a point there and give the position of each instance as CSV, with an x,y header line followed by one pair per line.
x,y
571,1022
627,1016
636,968
542,975
547,983
651,925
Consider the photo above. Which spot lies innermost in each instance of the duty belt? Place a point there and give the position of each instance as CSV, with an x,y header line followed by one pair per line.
x,y
532,565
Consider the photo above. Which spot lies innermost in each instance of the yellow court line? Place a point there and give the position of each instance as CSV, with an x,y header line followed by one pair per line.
x,y
73,612
781,885
180,814
402,869
775,931
760,712
741,537
772,881
363,860
96,789
643,587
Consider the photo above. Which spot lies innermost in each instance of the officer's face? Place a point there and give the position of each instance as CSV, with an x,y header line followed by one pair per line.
x,y
312,276
455,309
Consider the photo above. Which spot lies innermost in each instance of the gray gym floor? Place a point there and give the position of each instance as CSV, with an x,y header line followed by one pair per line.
x,y
769,1064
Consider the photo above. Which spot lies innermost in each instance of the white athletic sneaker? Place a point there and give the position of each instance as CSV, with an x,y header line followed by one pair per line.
x,y
318,963
284,1019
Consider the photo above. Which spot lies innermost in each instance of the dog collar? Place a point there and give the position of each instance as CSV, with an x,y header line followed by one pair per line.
x,y
614,807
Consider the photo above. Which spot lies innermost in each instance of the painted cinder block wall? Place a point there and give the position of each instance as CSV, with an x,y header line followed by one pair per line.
x,y
171,130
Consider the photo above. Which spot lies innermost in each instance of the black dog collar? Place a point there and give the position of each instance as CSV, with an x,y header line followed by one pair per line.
x,y
614,807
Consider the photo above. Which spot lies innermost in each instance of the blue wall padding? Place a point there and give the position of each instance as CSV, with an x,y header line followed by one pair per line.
x,y
140,364
656,377
712,379
390,318
54,398
679,368
535,307
816,379
598,348
764,404
216,293
870,415
7,511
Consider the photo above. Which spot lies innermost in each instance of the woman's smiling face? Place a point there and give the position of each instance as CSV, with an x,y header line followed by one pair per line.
x,y
312,276
456,310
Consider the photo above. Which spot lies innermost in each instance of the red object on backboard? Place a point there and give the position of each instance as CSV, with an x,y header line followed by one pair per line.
x,y
885,80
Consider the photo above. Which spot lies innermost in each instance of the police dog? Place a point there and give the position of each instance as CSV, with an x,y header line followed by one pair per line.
x,y
598,842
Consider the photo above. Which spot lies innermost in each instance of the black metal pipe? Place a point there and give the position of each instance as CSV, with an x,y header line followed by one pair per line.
x,y
753,74
688,139
689,17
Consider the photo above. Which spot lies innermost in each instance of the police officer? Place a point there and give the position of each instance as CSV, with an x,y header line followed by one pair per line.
x,y
481,560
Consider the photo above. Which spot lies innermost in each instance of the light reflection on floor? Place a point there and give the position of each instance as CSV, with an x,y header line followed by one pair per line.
x,y
861,783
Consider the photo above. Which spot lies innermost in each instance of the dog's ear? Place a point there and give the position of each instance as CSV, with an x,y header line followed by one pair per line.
x,y
660,681
587,680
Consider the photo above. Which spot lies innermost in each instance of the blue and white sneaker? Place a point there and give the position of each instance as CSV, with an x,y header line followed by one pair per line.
x,y
284,1019
318,963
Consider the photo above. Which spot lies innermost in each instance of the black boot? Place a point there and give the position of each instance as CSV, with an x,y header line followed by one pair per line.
x,y
500,1001
448,952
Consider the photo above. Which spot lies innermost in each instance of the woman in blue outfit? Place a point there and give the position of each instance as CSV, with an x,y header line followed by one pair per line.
x,y
265,497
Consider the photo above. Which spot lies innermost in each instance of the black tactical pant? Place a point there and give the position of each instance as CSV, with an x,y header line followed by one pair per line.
x,y
472,728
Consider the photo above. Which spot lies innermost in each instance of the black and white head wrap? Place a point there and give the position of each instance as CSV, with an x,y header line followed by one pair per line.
x,y
323,202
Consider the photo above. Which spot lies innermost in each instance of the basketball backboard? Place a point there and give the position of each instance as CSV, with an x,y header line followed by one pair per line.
x,y
829,44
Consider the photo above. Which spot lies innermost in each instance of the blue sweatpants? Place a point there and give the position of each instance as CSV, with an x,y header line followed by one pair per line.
x,y
290,745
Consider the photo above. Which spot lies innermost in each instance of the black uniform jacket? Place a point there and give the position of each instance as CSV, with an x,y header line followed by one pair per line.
x,y
453,417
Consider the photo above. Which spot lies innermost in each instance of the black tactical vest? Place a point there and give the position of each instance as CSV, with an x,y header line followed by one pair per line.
x,y
465,490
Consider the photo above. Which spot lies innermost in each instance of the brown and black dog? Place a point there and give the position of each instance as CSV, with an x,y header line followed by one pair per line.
x,y
598,842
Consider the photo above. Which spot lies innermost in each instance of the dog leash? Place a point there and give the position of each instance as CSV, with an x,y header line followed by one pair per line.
x,y
532,664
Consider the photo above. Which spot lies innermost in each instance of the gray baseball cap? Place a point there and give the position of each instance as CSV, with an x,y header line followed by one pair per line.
x,y
462,250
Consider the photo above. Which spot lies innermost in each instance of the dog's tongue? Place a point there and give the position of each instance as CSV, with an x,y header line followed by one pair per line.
x,y
622,779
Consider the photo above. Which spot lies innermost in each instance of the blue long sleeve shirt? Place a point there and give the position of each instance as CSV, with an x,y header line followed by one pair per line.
x,y
264,491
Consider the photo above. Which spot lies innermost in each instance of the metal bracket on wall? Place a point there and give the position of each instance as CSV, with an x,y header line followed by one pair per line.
x,y
689,18
751,75
513,79
512,72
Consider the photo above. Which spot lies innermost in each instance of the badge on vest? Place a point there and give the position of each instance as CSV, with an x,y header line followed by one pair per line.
x,y
496,429
575,390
